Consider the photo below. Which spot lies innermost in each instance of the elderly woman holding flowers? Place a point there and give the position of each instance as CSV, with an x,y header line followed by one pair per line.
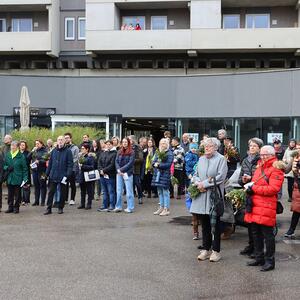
x,y
211,165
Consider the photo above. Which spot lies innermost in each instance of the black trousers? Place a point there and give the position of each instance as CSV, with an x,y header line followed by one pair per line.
x,y
72,185
250,235
295,220
40,188
52,191
86,188
25,194
209,240
290,186
179,175
264,234
14,196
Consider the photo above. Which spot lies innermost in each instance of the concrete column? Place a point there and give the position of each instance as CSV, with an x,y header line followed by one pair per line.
x,y
206,14
54,28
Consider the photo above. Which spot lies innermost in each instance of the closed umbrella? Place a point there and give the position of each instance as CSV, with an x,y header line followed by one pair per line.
x,y
24,109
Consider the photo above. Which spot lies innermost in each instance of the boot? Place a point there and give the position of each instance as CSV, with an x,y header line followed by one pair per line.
x,y
256,263
248,250
268,266
60,211
48,212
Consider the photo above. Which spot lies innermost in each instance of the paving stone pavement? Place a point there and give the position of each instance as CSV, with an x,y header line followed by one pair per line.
x,y
92,255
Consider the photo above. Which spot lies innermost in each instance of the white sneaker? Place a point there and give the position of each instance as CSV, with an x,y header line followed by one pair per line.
x,y
127,210
165,212
204,254
117,210
158,211
215,256
72,202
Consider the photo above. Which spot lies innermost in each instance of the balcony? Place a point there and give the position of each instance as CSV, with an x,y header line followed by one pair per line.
x,y
143,40
257,40
25,2
25,42
201,40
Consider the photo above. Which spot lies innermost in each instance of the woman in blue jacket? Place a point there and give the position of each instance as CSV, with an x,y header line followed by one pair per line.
x,y
162,176
124,167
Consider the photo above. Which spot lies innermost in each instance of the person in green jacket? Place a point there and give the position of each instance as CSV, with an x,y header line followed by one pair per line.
x,y
15,164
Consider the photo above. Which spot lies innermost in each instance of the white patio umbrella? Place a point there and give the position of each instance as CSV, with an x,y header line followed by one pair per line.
x,y
24,109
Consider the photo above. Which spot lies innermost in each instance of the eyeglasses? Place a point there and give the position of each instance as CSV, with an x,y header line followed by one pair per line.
x,y
265,154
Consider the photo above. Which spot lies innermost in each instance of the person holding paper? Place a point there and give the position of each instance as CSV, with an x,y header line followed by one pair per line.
x,y
86,164
59,169
15,164
124,165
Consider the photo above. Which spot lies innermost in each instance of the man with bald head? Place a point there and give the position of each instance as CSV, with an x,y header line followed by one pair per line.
x,y
59,170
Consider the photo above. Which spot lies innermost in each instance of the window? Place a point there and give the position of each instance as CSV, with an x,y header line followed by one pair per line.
x,y
231,21
21,25
69,28
258,21
133,23
2,25
81,28
159,22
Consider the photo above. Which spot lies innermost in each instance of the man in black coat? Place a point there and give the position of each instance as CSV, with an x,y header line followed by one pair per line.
x,y
59,170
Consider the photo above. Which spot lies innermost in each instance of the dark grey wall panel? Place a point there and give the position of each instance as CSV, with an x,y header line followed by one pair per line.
x,y
269,94
72,4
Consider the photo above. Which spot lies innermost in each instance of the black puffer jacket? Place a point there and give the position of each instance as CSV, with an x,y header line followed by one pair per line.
x,y
248,167
106,162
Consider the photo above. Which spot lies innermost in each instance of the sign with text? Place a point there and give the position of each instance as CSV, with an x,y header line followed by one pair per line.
x,y
194,136
274,136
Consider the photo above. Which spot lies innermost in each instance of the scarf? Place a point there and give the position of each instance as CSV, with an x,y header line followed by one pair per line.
x,y
14,154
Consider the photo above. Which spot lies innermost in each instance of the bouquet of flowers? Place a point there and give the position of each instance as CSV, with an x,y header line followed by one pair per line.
x,y
231,153
174,180
237,197
161,155
201,150
92,154
46,156
194,191
81,160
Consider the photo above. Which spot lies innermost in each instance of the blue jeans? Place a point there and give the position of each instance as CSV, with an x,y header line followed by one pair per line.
x,y
129,191
164,197
109,191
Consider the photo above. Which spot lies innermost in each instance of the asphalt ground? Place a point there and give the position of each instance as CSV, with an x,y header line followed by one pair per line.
x,y
92,255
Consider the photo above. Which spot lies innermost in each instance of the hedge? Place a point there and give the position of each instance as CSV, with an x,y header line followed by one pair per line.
x,y
44,134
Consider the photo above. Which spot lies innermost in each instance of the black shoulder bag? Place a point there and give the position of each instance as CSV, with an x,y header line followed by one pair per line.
x,y
217,199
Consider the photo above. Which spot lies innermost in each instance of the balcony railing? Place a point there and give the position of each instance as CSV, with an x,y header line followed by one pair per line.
x,y
282,39
39,41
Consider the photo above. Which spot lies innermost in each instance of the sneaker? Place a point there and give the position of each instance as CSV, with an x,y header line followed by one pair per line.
x,y
117,210
165,212
196,237
140,201
102,209
128,210
111,208
159,211
215,256
204,254
289,234
72,202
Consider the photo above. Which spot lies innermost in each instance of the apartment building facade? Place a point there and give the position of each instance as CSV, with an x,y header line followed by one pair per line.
x,y
146,66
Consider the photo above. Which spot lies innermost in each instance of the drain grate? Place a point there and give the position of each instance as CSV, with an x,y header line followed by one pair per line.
x,y
182,220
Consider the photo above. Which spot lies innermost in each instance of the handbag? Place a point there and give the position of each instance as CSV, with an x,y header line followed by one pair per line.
x,y
217,200
91,175
279,208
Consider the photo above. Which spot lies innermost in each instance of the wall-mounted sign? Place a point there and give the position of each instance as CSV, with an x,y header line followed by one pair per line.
x,y
194,136
36,111
274,136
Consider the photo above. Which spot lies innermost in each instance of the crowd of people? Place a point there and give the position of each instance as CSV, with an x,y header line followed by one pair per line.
x,y
181,168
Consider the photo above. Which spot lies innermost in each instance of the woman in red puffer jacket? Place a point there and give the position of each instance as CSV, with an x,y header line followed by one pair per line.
x,y
267,181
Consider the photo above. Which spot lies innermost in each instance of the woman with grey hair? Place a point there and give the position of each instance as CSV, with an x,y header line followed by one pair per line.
x,y
248,167
211,165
